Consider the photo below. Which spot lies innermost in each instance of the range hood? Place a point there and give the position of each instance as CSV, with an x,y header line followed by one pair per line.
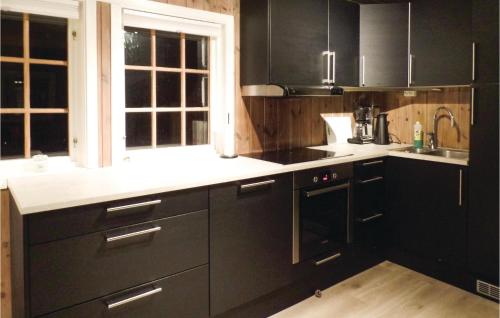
x,y
290,91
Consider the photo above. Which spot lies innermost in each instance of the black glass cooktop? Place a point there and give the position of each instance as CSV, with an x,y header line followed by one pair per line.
x,y
298,155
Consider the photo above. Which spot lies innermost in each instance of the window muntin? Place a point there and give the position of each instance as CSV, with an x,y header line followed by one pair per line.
x,y
34,86
166,89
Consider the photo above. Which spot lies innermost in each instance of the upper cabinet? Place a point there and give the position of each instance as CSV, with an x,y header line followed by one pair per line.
x,y
384,45
485,39
441,43
296,42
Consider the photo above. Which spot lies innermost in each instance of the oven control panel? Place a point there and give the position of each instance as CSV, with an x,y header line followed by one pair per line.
x,y
323,175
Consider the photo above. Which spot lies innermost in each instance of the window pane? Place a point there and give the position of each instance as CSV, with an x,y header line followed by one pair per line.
x,y
196,128
196,90
137,47
12,85
12,34
168,49
138,129
48,38
196,52
137,88
168,129
49,86
168,89
12,136
49,134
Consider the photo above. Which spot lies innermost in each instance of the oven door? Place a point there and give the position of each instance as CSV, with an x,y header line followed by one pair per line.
x,y
321,222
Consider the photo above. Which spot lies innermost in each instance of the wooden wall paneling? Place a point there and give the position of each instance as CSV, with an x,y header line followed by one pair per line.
x,y
256,132
5,277
242,126
271,124
318,133
304,122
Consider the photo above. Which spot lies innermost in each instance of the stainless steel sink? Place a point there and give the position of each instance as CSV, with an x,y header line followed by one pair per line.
x,y
440,152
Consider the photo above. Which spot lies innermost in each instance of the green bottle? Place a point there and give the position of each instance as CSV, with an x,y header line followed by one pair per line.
x,y
418,136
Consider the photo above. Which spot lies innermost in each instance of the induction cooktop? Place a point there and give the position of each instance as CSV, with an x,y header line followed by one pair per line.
x,y
292,156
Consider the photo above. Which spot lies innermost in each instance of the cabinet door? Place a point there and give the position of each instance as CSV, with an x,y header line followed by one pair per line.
x,y
344,41
483,186
440,42
299,36
250,240
427,209
485,36
384,45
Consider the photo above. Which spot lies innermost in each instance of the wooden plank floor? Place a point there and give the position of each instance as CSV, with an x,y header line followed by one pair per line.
x,y
390,290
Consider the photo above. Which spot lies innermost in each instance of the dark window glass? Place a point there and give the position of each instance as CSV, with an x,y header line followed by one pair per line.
x,y
49,134
168,89
12,34
138,129
48,38
196,52
12,85
168,129
196,128
49,86
137,88
168,49
137,47
196,90
12,136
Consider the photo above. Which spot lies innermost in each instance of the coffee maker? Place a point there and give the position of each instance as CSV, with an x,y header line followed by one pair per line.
x,y
363,130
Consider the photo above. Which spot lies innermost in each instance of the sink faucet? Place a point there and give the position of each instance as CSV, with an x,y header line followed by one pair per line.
x,y
433,142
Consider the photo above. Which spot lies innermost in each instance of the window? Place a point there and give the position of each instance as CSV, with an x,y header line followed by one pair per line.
x,y
166,88
34,109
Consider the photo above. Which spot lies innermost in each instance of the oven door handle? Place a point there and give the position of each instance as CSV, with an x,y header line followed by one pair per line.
x,y
313,193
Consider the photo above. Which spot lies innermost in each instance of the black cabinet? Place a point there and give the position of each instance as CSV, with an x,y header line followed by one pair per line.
x,y
287,42
369,203
440,42
250,240
483,187
384,45
427,209
485,37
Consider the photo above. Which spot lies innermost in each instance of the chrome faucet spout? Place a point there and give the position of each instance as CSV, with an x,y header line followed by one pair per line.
x,y
435,120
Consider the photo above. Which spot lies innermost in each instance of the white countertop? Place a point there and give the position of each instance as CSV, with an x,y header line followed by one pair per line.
x,y
79,186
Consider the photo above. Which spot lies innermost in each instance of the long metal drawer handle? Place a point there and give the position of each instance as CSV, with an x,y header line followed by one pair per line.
x,y
128,235
328,259
314,193
118,303
460,188
257,184
474,61
131,206
373,217
364,164
371,180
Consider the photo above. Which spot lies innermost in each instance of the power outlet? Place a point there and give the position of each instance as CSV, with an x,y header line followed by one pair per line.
x,y
410,93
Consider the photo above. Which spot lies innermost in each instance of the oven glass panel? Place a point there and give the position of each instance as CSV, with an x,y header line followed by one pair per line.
x,y
323,223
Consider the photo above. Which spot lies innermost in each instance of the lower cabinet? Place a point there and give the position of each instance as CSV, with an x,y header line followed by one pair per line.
x,y
250,240
428,209
183,295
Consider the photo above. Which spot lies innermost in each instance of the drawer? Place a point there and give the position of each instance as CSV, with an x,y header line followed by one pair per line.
x,y
369,169
183,295
71,271
369,199
60,224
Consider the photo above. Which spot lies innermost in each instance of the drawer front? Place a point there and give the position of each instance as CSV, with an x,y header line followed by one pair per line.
x,y
68,272
369,199
184,295
60,224
369,169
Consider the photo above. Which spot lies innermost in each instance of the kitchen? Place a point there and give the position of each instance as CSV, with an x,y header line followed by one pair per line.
x,y
189,158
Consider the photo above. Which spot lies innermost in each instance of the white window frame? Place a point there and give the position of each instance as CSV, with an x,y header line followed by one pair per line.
x,y
82,74
165,17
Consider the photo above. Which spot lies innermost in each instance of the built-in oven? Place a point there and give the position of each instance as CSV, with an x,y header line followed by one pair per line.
x,y
321,213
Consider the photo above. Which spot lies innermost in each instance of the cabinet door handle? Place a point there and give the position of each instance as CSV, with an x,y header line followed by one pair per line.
x,y
472,106
373,217
410,70
313,193
326,55
254,185
133,234
378,162
371,180
131,206
328,259
363,70
332,54
117,303
460,182
474,61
